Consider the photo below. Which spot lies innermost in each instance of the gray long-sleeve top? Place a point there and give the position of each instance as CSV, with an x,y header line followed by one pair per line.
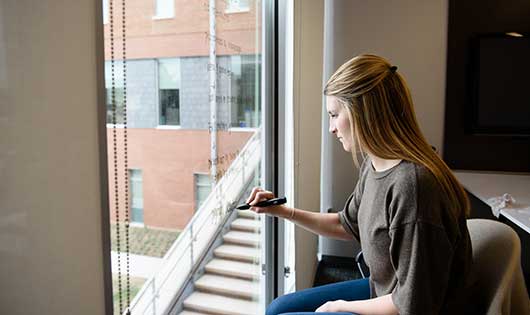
x,y
415,247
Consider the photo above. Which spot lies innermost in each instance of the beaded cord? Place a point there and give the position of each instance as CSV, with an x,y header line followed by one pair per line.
x,y
125,155
115,156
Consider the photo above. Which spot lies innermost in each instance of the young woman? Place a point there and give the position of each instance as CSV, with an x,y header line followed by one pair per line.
x,y
407,210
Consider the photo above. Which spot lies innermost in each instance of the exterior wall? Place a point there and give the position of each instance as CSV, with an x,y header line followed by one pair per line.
x,y
194,100
142,93
194,107
168,159
152,38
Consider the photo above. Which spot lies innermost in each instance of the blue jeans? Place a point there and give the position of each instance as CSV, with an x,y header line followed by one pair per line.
x,y
305,302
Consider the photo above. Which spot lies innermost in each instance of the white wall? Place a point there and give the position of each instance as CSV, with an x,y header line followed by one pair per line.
x,y
307,91
412,35
50,199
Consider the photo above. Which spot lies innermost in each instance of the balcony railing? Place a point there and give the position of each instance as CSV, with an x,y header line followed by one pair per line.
x,y
159,291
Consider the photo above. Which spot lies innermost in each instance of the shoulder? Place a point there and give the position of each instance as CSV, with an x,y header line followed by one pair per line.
x,y
412,178
409,170
415,195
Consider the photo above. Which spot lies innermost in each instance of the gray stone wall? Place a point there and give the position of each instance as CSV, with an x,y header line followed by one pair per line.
x,y
194,105
142,92
194,93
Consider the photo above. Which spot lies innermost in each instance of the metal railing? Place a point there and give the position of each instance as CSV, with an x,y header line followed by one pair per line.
x,y
158,292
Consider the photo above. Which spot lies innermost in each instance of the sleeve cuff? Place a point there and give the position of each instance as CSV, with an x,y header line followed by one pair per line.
x,y
345,224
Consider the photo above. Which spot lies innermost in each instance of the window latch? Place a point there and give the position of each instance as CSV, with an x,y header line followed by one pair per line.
x,y
286,271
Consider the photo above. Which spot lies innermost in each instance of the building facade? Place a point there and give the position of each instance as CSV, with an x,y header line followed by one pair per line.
x,y
166,93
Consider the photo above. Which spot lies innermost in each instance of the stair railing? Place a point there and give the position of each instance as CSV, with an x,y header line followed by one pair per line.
x,y
158,293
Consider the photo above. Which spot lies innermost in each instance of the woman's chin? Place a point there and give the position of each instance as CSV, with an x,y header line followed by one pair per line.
x,y
346,147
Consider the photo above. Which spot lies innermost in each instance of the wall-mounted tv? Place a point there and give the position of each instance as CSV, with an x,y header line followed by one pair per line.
x,y
500,81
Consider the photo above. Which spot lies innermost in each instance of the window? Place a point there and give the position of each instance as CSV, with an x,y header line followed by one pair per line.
x,y
105,11
203,187
164,9
118,92
118,97
177,88
233,6
245,86
168,91
137,196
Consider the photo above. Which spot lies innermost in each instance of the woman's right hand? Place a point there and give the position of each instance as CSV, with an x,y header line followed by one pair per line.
x,y
259,194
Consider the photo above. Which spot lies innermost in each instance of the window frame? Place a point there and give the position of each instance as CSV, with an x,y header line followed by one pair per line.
x,y
136,223
158,110
270,116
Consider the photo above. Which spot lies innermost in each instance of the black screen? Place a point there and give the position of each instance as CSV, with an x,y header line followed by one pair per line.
x,y
501,100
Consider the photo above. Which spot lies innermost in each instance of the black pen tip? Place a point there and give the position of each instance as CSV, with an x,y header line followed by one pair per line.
x,y
243,207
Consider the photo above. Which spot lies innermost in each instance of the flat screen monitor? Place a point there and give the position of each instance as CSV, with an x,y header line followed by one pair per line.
x,y
500,76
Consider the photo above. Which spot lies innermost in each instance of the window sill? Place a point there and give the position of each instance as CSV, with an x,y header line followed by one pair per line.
x,y
137,224
163,17
169,127
118,126
243,129
230,11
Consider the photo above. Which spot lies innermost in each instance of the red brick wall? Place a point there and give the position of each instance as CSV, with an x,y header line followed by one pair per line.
x,y
184,35
168,159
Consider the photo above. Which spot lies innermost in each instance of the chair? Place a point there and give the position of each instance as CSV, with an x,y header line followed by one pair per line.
x,y
361,265
499,286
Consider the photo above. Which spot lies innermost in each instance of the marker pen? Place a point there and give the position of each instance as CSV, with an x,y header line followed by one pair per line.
x,y
265,203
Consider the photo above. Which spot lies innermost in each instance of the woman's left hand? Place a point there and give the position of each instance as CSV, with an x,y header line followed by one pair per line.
x,y
332,306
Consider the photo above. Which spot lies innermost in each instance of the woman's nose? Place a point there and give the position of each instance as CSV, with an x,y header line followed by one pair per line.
x,y
332,128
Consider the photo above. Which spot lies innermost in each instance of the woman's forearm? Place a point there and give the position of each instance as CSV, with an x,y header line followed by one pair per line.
x,y
382,305
325,224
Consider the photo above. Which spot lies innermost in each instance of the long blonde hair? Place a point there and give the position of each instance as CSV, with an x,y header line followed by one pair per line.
x,y
383,122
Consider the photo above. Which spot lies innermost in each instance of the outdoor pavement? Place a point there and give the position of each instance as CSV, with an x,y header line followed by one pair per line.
x,y
140,266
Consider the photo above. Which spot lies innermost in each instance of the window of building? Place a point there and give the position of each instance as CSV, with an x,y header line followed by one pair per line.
x,y
137,196
118,92
164,9
169,91
245,86
234,6
118,98
105,11
203,187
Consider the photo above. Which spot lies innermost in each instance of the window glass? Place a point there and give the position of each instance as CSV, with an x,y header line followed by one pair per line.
x,y
203,187
118,91
246,77
137,196
117,113
105,11
182,76
164,8
169,85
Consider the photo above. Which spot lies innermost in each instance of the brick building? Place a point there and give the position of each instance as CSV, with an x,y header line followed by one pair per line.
x,y
168,102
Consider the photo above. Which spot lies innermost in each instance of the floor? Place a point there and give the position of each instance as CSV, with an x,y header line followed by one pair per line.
x,y
333,269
